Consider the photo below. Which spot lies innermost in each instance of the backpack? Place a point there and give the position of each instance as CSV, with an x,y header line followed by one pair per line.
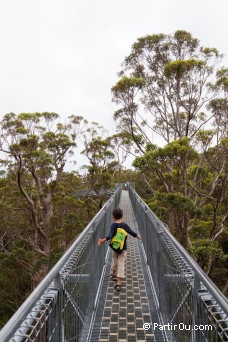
x,y
118,240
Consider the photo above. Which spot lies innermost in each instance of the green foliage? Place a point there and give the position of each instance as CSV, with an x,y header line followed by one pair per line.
x,y
173,153
127,84
222,79
183,37
204,249
164,83
101,153
179,202
202,229
209,52
204,137
181,180
181,67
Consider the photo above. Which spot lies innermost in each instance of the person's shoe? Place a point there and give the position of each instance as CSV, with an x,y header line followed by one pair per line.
x,y
113,277
117,287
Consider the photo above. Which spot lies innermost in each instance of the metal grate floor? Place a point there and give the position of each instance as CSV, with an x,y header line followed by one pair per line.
x,y
120,315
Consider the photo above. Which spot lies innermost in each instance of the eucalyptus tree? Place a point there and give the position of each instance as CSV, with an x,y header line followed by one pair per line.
x,y
192,203
71,213
102,164
164,86
36,146
162,167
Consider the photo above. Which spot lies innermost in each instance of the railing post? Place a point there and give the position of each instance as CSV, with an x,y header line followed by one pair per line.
x,y
146,235
158,261
61,330
195,310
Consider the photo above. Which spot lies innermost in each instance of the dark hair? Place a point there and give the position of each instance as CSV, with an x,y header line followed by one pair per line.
x,y
117,213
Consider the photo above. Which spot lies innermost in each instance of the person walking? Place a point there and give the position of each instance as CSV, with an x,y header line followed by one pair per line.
x,y
118,258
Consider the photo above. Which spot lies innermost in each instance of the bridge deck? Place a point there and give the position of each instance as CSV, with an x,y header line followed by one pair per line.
x,y
120,315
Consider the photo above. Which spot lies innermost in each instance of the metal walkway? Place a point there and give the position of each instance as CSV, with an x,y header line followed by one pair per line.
x,y
164,289
120,316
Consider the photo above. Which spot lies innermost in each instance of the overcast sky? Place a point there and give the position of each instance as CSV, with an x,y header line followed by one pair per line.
x,y
63,55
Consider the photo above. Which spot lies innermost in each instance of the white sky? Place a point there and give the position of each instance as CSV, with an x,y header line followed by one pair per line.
x,y
63,55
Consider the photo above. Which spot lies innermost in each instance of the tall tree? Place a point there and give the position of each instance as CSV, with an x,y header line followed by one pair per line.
x,y
102,163
164,86
37,146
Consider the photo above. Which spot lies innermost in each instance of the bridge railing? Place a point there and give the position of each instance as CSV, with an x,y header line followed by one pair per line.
x,y
60,308
191,306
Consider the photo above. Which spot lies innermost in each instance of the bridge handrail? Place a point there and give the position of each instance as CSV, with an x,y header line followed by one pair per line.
x,y
218,295
184,293
19,316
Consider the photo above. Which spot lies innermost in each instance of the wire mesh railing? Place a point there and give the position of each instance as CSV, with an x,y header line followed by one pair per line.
x,y
61,307
192,307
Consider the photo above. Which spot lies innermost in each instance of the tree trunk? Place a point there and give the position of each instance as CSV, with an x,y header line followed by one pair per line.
x,y
39,275
171,223
182,228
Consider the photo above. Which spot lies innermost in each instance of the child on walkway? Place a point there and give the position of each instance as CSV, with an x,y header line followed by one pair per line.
x,y
118,260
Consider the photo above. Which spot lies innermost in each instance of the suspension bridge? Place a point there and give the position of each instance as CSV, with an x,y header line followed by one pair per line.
x,y
165,295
